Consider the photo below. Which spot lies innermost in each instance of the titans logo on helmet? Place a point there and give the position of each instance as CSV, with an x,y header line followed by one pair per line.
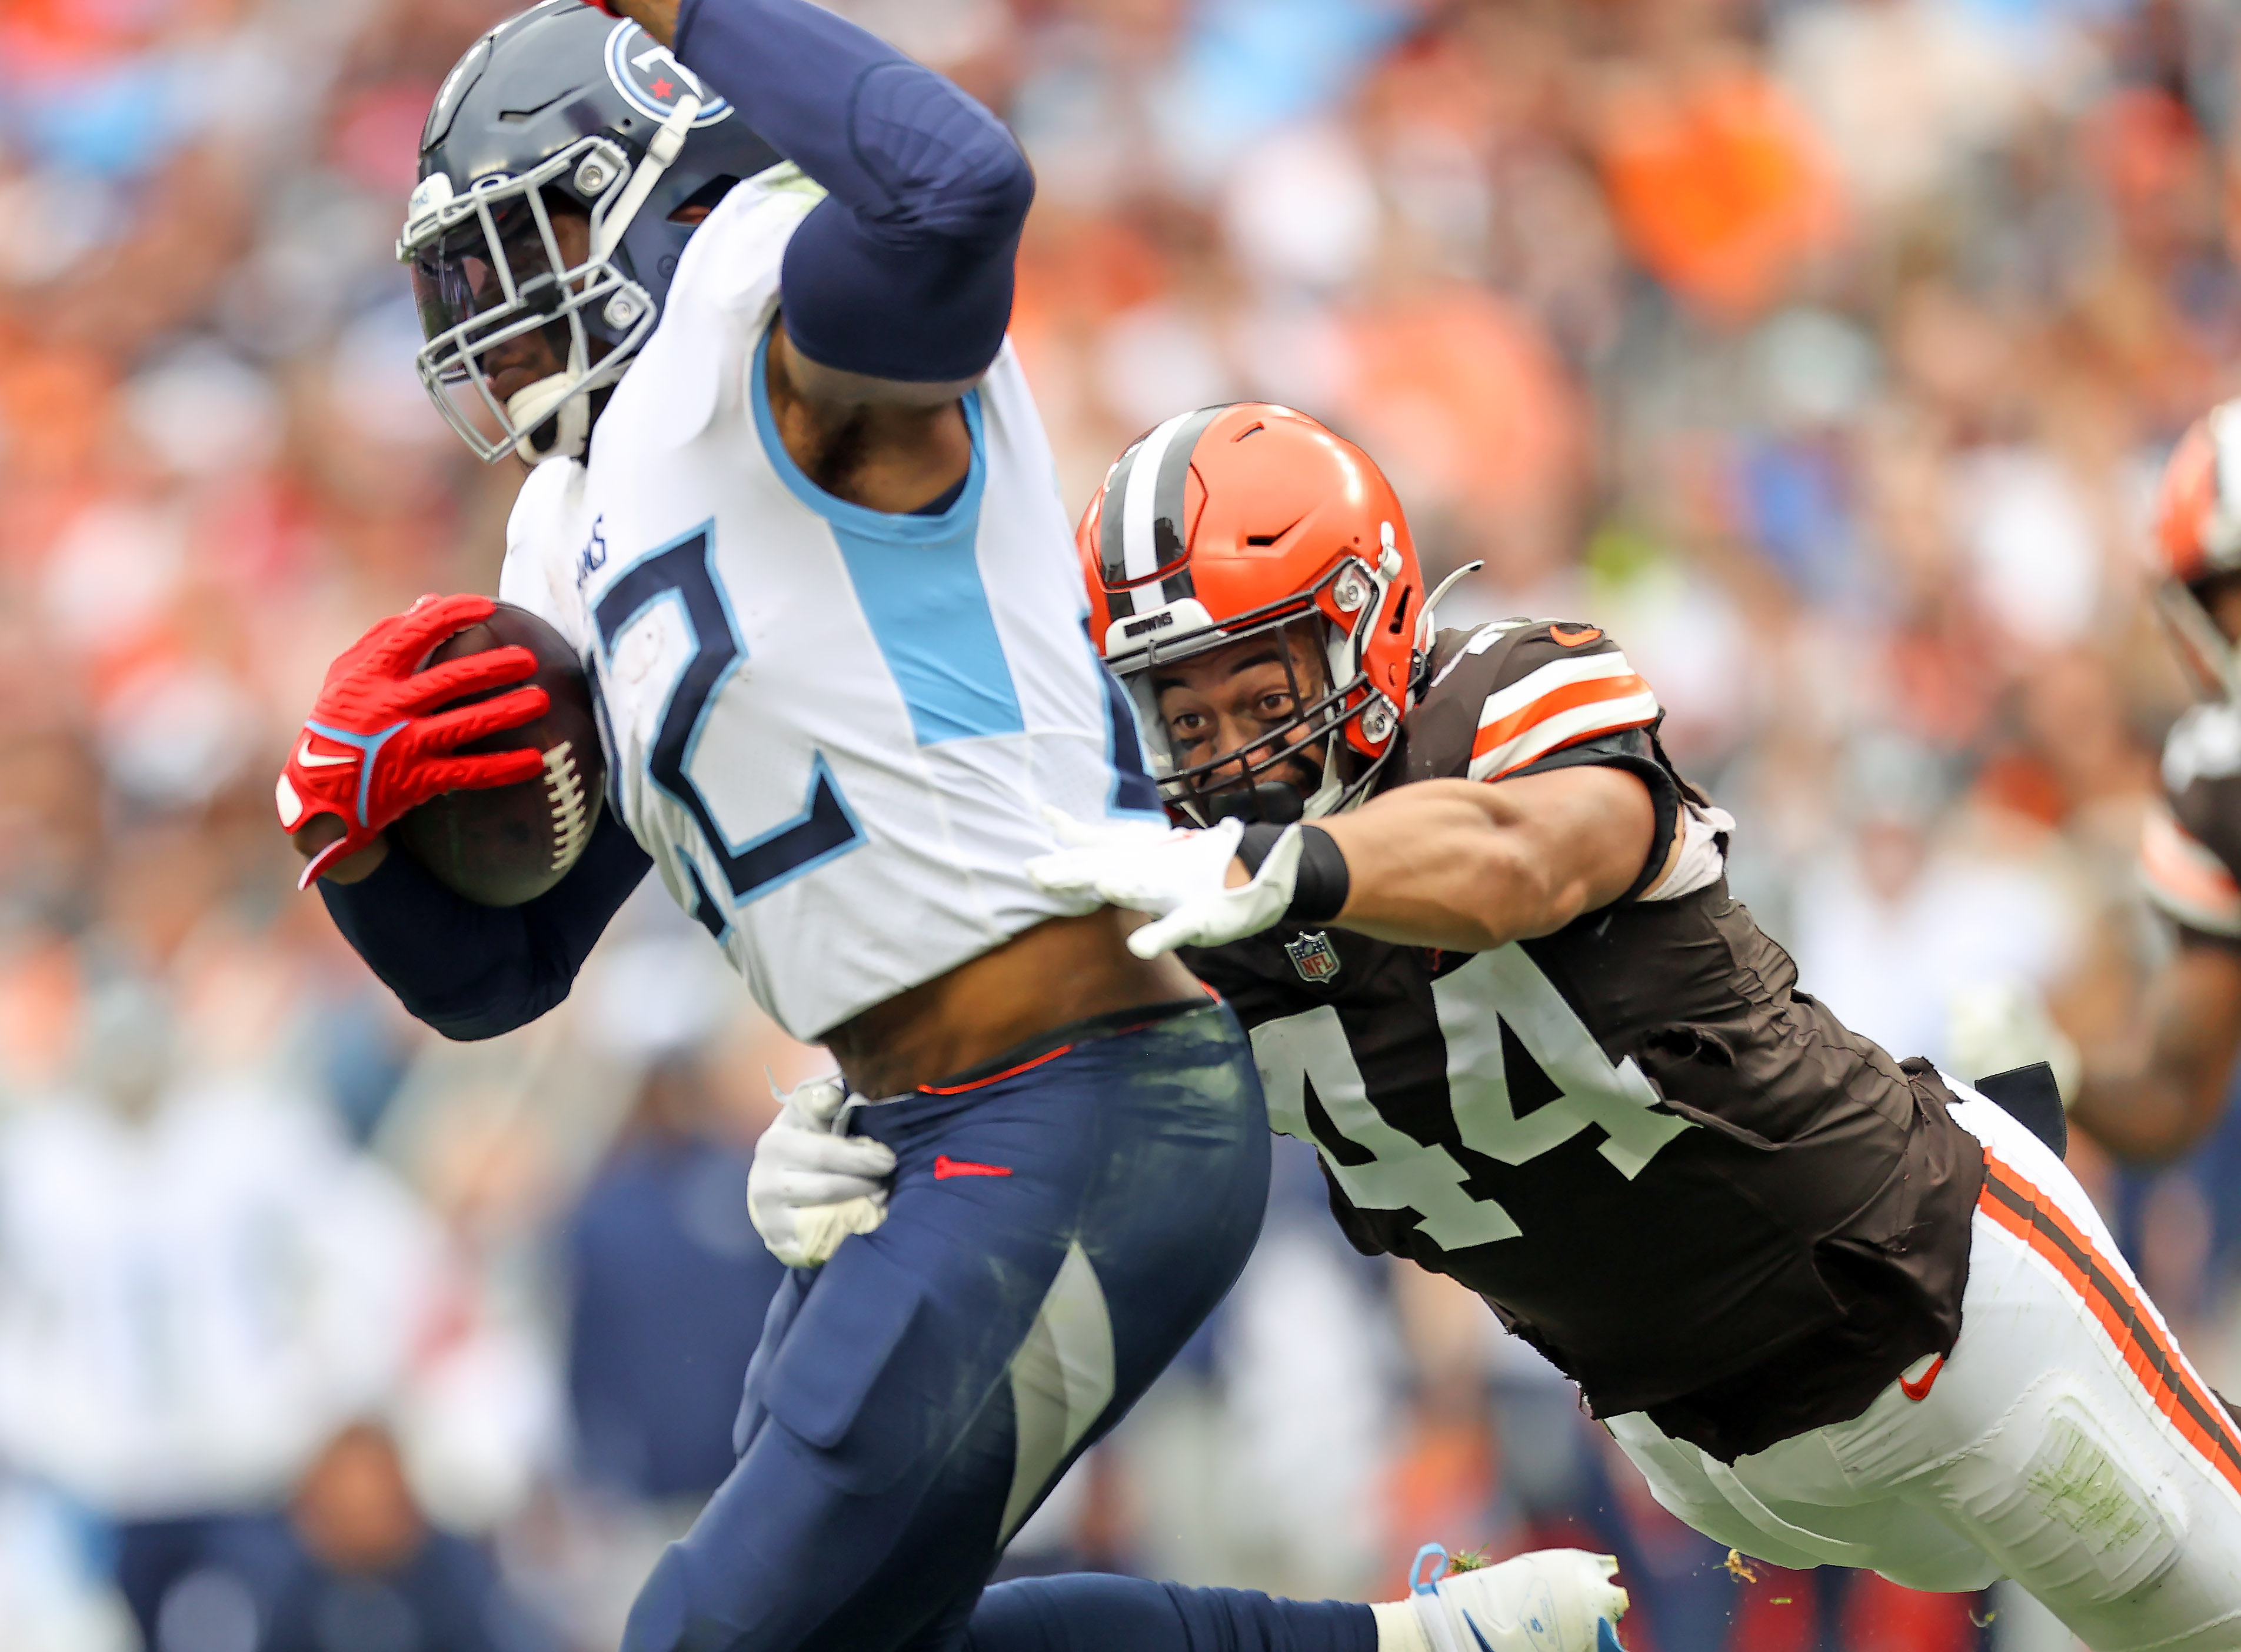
x,y
647,74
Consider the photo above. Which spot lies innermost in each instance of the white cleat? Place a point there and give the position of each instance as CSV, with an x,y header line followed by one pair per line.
x,y
1552,1599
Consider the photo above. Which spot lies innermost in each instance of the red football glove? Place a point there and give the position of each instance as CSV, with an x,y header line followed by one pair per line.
x,y
607,6
371,750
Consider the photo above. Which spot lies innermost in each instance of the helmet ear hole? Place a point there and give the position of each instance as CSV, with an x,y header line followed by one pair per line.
x,y
703,201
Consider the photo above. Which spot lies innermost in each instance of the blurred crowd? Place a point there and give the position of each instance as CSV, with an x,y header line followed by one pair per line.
x,y
1825,351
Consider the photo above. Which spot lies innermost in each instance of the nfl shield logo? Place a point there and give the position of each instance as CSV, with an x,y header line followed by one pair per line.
x,y
1313,957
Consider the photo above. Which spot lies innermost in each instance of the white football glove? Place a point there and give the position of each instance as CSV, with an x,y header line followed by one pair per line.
x,y
1179,876
1552,1599
812,1186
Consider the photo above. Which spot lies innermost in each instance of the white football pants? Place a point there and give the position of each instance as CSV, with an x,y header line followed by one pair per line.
x,y
2067,1443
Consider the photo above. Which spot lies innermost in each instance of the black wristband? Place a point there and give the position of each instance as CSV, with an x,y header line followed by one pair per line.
x,y
1319,892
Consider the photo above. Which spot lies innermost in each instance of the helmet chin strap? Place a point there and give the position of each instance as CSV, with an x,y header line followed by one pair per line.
x,y
555,397
607,227
552,399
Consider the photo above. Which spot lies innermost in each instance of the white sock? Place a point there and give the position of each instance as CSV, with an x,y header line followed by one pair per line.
x,y
1399,1628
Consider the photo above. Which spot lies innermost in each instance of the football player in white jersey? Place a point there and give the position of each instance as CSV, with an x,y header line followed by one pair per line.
x,y
793,508
1838,1309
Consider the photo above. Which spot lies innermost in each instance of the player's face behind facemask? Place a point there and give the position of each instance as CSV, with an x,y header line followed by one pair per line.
x,y
516,347
524,320
1241,725
530,275
556,162
1249,528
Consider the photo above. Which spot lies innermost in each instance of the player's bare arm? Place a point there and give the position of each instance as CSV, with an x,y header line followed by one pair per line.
x,y
2157,1093
1467,866
1453,864
2160,1098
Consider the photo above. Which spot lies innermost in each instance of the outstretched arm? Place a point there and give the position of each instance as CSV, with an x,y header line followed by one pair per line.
x,y
1460,865
2160,1103
1464,865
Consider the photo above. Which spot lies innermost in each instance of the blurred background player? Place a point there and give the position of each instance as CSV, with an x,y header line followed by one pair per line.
x,y
2162,1098
1837,1312
814,561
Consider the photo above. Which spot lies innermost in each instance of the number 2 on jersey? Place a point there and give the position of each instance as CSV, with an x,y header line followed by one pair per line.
x,y
681,572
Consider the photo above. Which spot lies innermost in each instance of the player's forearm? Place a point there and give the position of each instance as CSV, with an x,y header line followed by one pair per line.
x,y
1445,863
2136,1113
906,273
2160,1098
2161,1104
473,972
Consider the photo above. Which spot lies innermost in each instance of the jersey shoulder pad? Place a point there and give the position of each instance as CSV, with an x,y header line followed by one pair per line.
x,y
1507,694
2185,878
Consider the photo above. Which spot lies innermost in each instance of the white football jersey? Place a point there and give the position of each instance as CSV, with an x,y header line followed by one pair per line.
x,y
834,729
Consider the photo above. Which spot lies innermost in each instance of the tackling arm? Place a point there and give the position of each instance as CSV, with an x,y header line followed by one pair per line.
x,y
1461,865
1469,867
2160,1103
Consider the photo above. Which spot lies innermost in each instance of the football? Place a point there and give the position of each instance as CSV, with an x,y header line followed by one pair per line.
x,y
505,845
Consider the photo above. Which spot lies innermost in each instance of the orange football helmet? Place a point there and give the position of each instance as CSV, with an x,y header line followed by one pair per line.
x,y
2198,537
1231,521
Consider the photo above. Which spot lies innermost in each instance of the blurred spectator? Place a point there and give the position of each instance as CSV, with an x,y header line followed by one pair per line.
x,y
668,1286
1907,917
368,1575
198,1284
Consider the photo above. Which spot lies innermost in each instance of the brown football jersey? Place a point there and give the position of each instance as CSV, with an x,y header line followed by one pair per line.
x,y
2191,843
1679,1177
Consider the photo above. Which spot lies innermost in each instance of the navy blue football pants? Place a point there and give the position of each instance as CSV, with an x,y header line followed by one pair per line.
x,y
1054,1236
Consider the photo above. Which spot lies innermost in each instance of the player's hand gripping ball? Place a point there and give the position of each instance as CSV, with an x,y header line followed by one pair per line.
x,y
504,845
389,742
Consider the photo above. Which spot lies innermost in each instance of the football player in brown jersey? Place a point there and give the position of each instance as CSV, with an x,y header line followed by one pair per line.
x,y
1838,1309
2161,1096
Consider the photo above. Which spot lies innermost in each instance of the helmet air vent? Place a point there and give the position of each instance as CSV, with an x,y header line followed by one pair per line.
x,y
1270,538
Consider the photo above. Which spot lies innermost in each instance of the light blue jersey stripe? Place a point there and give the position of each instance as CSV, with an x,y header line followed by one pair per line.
x,y
918,580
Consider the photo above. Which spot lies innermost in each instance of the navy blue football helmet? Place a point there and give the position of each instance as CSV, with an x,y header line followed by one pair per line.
x,y
555,165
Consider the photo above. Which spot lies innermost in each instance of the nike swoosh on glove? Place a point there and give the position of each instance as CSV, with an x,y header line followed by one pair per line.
x,y
374,746
811,1187
1179,876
